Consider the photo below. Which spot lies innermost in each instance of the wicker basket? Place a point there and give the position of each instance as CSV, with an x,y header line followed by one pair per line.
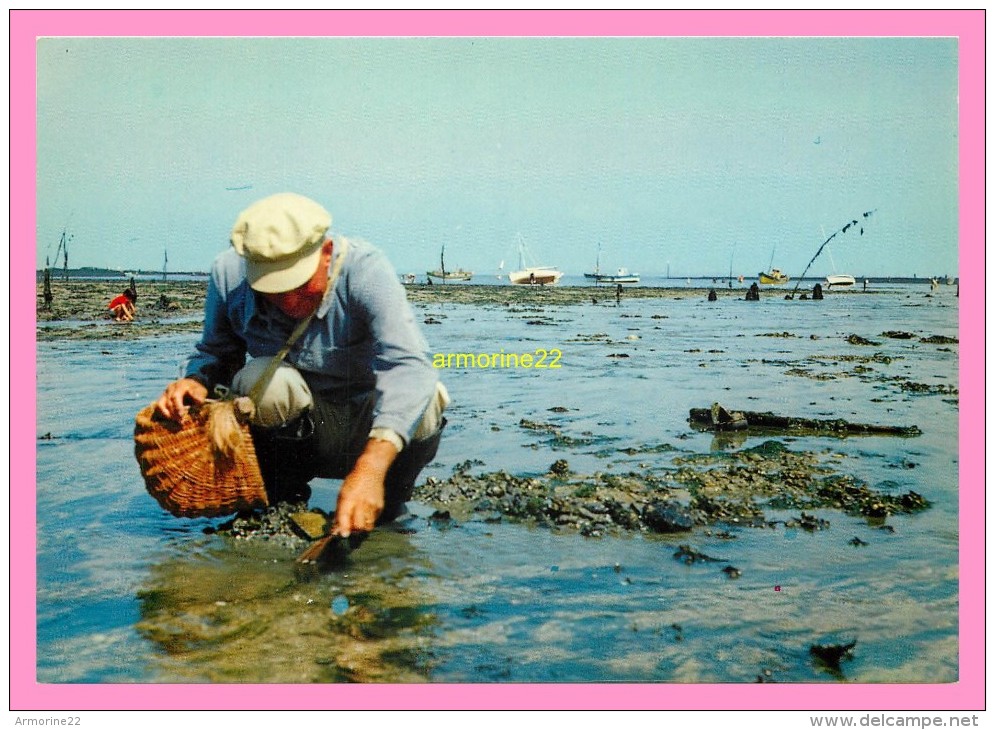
x,y
187,474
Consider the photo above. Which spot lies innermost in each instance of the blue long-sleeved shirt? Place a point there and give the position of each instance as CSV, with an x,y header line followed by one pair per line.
x,y
363,337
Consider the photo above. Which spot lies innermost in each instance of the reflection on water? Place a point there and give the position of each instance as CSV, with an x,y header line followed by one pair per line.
x,y
235,612
126,593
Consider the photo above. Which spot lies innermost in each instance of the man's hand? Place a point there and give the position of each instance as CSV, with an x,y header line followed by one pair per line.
x,y
361,498
173,402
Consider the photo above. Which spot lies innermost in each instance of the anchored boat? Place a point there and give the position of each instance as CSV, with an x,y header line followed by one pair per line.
x,y
442,275
532,274
621,275
840,281
774,276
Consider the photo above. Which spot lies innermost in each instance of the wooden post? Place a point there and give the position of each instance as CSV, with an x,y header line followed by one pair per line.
x,y
47,288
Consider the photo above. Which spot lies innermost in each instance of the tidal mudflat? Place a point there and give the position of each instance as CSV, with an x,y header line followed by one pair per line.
x,y
575,526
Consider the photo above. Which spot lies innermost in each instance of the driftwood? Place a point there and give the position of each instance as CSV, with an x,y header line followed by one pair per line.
x,y
703,417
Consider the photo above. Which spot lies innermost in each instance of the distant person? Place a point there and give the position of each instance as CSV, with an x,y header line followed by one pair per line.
x,y
122,307
753,293
618,294
817,291
712,296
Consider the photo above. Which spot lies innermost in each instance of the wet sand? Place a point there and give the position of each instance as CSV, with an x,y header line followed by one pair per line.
x,y
78,310
574,526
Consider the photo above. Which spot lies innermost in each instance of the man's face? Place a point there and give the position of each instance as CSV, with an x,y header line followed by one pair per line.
x,y
302,301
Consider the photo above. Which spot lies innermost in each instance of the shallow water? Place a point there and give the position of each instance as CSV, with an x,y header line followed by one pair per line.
x,y
127,593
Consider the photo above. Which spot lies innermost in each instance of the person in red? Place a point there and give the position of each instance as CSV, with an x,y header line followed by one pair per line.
x,y
122,307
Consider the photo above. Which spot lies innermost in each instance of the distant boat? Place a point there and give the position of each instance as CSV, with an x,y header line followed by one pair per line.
x,y
621,275
442,275
840,281
535,275
540,275
457,275
774,276
408,279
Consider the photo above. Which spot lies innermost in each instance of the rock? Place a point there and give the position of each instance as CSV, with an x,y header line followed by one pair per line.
x,y
687,554
560,468
832,654
875,509
810,522
723,420
309,525
732,571
913,502
667,517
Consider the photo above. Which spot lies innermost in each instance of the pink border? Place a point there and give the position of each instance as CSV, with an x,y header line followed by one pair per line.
x,y
967,26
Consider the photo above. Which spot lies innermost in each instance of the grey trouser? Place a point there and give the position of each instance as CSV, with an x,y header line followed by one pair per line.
x,y
300,435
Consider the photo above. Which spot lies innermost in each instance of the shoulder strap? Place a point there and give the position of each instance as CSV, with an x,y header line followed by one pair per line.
x,y
274,363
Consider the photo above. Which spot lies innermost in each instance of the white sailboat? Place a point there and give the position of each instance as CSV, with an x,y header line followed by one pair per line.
x,y
840,281
534,275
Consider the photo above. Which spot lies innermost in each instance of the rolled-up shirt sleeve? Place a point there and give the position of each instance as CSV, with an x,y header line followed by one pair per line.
x,y
405,379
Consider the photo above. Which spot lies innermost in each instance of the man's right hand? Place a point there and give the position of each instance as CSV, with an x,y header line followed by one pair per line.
x,y
179,396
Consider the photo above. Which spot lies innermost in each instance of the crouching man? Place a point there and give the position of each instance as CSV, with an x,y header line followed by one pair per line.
x,y
355,398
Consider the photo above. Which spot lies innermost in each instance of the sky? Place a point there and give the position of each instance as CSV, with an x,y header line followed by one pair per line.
x,y
693,156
